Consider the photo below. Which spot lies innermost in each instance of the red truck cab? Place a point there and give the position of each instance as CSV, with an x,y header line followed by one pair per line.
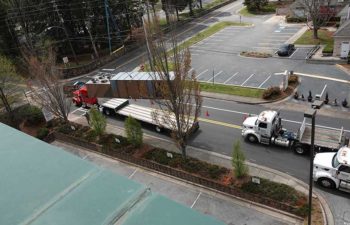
x,y
81,97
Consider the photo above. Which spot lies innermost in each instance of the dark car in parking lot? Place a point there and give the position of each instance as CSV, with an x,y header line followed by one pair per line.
x,y
286,50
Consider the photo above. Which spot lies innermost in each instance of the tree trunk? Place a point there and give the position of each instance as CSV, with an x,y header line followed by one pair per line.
x,y
177,14
154,9
5,102
315,31
200,4
167,17
190,6
183,151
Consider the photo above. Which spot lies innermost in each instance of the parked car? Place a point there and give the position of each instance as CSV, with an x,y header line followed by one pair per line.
x,y
286,50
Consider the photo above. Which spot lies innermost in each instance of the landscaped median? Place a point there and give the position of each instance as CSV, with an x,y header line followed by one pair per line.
x,y
232,90
268,193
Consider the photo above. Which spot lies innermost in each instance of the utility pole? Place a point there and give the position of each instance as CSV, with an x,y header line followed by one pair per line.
x,y
65,32
146,36
107,24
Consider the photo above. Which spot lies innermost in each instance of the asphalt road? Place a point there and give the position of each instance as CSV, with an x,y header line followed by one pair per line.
x,y
222,55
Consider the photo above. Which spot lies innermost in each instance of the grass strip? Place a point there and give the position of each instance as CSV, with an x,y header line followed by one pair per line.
x,y
208,32
324,38
232,90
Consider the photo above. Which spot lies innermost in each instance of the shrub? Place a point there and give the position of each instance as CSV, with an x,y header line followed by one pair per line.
x,y
238,161
293,79
133,131
291,19
31,114
65,128
90,136
276,191
272,92
42,133
328,49
215,171
97,121
158,156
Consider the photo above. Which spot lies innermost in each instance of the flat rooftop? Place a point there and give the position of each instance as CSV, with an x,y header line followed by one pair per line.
x,y
42,184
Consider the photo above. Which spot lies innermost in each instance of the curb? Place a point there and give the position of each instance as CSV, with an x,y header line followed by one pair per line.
x,y
339,66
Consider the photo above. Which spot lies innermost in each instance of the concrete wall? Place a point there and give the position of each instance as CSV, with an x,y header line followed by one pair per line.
x,y
337,45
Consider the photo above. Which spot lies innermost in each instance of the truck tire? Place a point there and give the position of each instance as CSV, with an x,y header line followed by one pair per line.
x,y
252,138
77,104
158,129
299,150
107,112
326,183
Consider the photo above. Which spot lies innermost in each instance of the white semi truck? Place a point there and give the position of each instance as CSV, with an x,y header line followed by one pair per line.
x,y
121,107
332,170
266,128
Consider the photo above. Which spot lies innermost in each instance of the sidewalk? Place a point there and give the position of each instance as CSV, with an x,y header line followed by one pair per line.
x,y
222,160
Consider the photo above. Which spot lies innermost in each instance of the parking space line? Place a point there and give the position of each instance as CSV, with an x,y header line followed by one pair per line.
x,y
247,79
195,201
201,73
217,74
293,53
230,77
133,173
264,81
78,109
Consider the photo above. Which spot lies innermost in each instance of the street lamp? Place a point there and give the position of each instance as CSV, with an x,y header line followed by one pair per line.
x,y
311,113
70,44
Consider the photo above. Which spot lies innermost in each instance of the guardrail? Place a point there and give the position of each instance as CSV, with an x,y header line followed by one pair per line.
x,y
312,52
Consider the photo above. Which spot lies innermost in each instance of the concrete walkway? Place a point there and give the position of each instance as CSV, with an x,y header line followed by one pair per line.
x,y
222,160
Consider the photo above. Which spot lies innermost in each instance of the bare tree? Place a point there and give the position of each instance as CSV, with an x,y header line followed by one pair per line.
x,y
10,84
47,90
181,105
318,13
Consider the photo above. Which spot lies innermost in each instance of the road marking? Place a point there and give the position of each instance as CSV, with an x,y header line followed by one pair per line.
x,y
247,79
133,173
251,114
262,43
79,109
219,123
264,81
293,53
324,88
322,77
215,76
195,201
200,74
108,69
230,77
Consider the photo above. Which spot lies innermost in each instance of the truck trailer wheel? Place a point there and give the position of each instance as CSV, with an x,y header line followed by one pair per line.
x,y
158,129
107,112
298,149
252,138
326,183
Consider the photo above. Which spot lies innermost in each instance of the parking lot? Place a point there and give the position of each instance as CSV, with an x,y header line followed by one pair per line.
x,y
255,80
267,38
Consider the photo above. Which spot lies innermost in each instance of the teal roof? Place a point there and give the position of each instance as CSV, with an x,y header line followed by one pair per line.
x,y
42,184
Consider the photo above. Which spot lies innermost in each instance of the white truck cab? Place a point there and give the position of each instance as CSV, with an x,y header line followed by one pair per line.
x,y
332,170
265,128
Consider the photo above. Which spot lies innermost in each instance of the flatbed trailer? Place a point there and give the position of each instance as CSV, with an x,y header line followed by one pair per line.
x,y
326,139
121,107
